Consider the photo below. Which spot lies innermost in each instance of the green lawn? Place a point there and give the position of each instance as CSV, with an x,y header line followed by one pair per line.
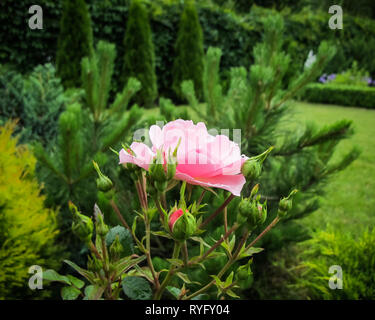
x,y
349,203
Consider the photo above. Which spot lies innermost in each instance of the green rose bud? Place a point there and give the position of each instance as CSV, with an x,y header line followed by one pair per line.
x,y
116,249
156,169
101,228
244,276
182,224
103,183
82,225
251,169
93,264
161,186
252,212
286,204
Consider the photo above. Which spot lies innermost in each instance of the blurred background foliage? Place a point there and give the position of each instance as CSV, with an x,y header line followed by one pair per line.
x,y
245,65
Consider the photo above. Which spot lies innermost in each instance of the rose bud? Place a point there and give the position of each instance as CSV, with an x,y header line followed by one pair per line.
x,y
116,249
251,169
182,224
103,183
82,225
244,276
162,170
254,212
101,228
286,204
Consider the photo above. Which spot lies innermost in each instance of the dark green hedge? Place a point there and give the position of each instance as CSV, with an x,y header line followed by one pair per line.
x,y
235,35
345,95
25,48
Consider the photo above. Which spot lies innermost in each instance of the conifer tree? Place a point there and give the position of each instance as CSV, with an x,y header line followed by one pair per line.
x,y
74,42
139,58
87,130
189,54
257,104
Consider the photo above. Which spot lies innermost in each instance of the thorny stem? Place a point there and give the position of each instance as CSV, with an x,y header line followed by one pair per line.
x,y
269,227
226,219
185,253
176,253
218,210
148,253
94,250
201,197
119,215
218,243
234,257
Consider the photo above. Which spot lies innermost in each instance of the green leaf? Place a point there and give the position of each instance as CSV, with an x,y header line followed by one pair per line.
x,y
137,288
174,291
70,293
87,274
125,238
52,275
249,252
231,294
76,282
141,272
175,262
126,263
184,277
93,292
161,234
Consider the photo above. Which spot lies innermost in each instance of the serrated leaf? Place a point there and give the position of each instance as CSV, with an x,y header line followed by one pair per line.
x,y
200,240
137,288
141,272
87,274
229,279
176,262
94,292
52,275
161,234
70,293
249,252
174,291
126,263
231,294
232,243
76,282
184,277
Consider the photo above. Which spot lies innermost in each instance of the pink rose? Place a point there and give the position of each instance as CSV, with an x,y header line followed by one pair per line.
x,y
203,159
174,217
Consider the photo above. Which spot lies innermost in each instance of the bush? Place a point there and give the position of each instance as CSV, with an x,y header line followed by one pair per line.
x,y
355,256
86,131
139,59
27,229
188,63
346,95
74,43
35,100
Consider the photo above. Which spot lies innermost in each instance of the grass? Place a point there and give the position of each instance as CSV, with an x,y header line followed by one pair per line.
x,y
349,202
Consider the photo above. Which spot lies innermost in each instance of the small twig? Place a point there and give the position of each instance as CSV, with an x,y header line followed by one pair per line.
x,y
218,243
218,210
269,227
201,197
119,215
